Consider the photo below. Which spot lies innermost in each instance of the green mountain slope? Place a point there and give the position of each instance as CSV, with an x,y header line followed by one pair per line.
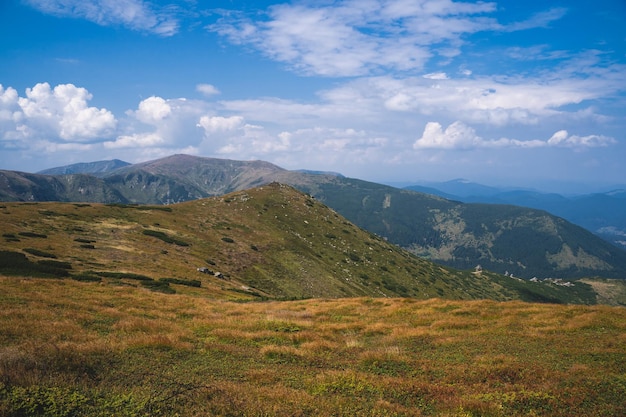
x,y
505,239
272,241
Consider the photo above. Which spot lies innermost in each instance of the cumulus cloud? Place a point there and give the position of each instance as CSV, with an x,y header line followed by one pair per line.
x,y
207,89
59,113
153,110
213,124
159,122
137,15
461,136
455,136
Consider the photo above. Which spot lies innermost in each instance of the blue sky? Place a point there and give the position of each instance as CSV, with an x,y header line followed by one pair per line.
x,y
524,93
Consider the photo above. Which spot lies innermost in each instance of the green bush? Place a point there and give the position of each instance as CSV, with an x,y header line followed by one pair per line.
x,y
44,401
39,253
158,286
81,240
164,237
55,264
86,278
31,234
189,283
121,275
17,264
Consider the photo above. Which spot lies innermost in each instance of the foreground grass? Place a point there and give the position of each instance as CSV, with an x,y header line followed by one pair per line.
x,y
69,348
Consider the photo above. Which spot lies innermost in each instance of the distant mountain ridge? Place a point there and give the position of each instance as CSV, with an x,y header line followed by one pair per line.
x,y
602,213
98,168
519,241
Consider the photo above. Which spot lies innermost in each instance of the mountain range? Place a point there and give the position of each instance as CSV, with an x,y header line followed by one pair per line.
x,y
603,213
511,240
268,242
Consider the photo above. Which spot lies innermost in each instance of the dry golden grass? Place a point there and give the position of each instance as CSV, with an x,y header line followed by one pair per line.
x,y
71,348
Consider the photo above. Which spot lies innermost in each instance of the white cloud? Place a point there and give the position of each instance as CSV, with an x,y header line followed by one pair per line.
x,y
167,123
562,138
538,20
353,38
55,114
436,76
461,136
456,136
153,110
207,89
137,140
134,14
213,124
350,37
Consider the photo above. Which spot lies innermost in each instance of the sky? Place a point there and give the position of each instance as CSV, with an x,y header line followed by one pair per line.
x,y
519,93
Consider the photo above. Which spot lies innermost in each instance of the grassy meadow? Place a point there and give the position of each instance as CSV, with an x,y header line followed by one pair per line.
x,y
70,348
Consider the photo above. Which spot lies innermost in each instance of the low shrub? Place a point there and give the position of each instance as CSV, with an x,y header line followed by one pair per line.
x,y
55,264
81,240
158,286
86,278
31,234
189,283
40,253
122,275
17,264
164,237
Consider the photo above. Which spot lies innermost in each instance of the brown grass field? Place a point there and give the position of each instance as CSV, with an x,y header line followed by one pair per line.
x,y
71,348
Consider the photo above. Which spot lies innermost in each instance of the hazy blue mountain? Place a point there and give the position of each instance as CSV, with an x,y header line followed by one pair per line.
x,y
601,213
98,168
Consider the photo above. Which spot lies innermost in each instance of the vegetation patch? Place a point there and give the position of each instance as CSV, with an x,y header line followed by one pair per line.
x,y
140,207
39,253
32,234
187,282
123,275
164,237
10,237
86,278
158,286
82,240
55,264
107,350
17,264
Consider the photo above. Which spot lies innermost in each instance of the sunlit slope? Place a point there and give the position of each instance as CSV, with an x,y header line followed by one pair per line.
x,y
72,348
501,238
272,241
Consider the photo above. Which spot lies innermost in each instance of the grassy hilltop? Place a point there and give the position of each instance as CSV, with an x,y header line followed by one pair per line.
x,y
270,242
104,312
70,348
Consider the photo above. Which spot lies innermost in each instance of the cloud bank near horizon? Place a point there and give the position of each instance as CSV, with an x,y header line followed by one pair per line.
x,y
62,115
403,84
